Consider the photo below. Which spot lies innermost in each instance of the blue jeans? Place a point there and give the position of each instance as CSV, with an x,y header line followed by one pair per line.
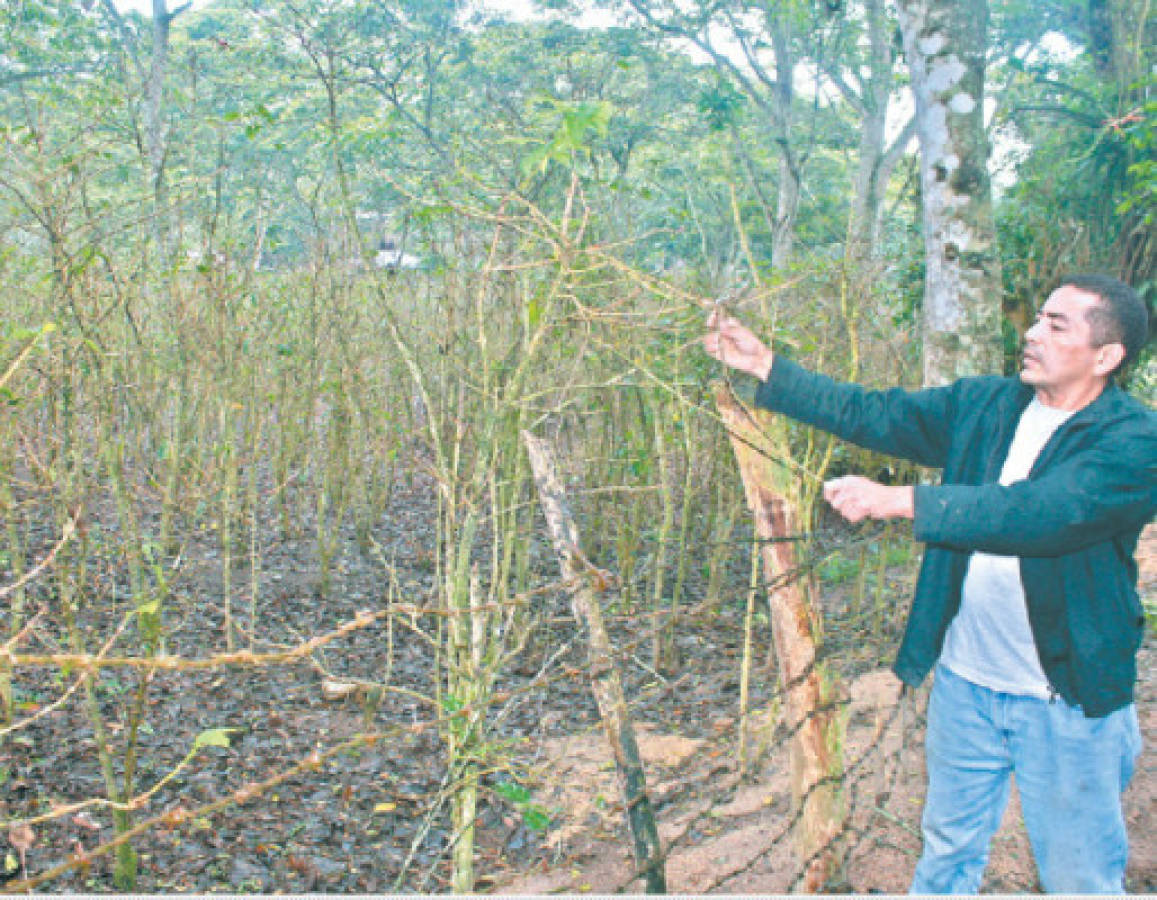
x,y
1070,772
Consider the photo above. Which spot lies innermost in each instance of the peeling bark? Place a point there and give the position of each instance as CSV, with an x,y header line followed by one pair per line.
x,y
817,738
945,41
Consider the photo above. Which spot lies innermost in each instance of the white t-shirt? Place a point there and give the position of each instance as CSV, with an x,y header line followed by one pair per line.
x,y
990,641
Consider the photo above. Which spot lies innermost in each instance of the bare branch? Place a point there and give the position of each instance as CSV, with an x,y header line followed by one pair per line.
x,y
34,573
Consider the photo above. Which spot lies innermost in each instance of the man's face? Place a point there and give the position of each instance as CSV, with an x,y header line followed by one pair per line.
x,y
1059,357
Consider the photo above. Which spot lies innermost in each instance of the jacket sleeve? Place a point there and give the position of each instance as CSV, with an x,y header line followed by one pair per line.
x,y
915,425
1089,498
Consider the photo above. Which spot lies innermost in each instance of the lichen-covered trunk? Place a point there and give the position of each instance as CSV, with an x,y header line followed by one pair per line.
x,y
1118,34
809,692
944,42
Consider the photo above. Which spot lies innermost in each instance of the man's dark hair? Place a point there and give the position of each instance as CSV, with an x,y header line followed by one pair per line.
x,y
1120,318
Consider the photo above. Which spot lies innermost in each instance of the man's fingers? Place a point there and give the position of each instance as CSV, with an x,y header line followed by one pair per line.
x,y
857,498
713,344
730,342
851,510
718,338
839,487
721,323
847,497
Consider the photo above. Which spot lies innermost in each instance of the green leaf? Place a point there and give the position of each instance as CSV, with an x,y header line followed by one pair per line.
x,y
427,214
451,704
535,161
213,737
512,791
535,818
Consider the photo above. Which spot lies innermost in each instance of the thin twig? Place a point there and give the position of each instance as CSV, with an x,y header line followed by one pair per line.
x,y
32,574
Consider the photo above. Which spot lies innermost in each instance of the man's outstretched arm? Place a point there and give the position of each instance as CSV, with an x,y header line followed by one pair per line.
x,y
913,425
853,497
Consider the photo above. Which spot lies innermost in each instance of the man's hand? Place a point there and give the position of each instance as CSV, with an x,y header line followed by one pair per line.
x,y
734,345
857,498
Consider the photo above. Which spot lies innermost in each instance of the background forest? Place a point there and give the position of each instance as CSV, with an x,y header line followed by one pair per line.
x,y
283,284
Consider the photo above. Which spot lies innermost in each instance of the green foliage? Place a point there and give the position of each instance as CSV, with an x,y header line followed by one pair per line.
x,y
214,737
1084,187
1140,129
575,196
842,566
579,125
720,105
534,816
838,568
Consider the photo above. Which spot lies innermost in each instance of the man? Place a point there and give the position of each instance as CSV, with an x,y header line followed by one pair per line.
x,y
1026,602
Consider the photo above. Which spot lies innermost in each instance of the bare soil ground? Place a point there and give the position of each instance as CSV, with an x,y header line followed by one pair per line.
x,y
369,821
725,832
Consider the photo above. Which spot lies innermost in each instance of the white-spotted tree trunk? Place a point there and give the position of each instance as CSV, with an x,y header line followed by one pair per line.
x,y
944,42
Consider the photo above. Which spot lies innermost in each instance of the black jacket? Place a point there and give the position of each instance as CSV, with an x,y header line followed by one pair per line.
x,y
1074,522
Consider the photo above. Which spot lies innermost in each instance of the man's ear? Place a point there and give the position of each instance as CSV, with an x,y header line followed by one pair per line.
x,y
1109,356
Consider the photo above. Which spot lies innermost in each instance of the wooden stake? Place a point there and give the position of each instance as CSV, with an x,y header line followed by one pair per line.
x,y
811,717
586,584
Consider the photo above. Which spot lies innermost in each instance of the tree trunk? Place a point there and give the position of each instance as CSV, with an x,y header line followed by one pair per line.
x,y
876,160
786,212
585,584
867,189
811,717
1117,40
790,176
155,135
945,41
